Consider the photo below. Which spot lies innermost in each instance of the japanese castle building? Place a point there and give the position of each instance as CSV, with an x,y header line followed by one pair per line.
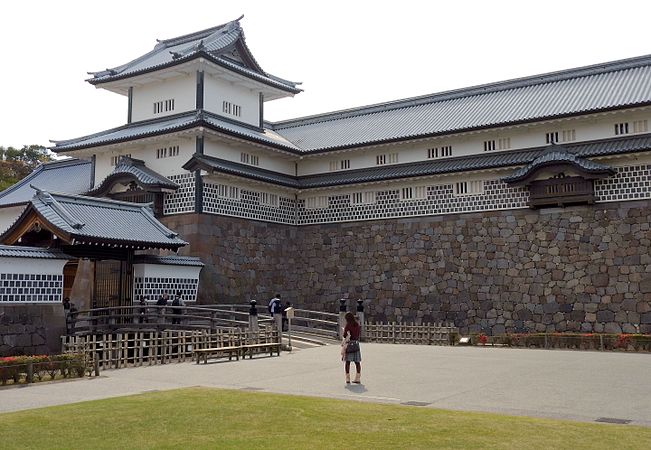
x,y
521,205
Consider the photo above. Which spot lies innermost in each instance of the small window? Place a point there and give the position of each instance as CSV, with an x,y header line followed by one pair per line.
x,y
269,199
231,109
164,106
413,193
391,158
569,135
342,164
439,152
489,146
247,158
469,187
362,198
504,143
167,152
551,137
319,202
115,160
640,126
621,128
229,192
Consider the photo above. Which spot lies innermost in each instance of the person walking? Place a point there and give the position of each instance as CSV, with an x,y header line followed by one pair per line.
x,y
350,350
177,308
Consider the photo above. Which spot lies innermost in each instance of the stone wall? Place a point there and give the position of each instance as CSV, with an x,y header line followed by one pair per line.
x,y
31,329
585,268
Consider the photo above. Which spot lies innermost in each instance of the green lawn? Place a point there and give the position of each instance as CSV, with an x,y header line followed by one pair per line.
x,y
214,418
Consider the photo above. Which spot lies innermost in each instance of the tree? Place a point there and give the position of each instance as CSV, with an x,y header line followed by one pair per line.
x,y
16,164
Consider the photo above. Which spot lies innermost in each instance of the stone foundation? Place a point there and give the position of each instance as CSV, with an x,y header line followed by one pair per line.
x,y
31,329
585,268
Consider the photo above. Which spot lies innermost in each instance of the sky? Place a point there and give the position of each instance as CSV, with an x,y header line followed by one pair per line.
x,y
346,53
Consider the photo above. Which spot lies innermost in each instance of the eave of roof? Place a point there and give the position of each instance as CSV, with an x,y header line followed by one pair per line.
x,y
94,221
175,123
555,155
136,170
493,160
168,260
16,251
220,39
569,93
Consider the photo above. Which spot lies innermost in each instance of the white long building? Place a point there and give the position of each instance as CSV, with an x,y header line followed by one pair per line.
x,y
197,145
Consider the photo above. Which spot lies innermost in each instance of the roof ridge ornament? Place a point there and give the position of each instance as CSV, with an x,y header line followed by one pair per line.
x,y
50,201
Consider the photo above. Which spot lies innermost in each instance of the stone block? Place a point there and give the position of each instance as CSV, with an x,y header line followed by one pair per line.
x,y
612,327
605,316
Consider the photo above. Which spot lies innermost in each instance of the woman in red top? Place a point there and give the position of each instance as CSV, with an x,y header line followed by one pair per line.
x,y
352,332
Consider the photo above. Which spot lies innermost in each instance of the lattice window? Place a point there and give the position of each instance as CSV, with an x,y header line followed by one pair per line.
x,y
229,192
389,158
269,199
439,152
469,187
362,198
167,152
164,106
316,202
30,288
551,137
413,193
621,128
640,126
490,145
569,135
181,201
231,109
116,159
341,164
248,158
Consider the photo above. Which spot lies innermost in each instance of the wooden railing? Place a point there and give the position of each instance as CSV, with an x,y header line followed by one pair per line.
x,y
138,348
561,191
404,333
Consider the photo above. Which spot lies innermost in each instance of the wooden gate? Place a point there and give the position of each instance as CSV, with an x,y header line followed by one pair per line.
x,y
113,283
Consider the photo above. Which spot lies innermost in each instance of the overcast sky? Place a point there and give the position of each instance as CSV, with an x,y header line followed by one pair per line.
x,y
346,53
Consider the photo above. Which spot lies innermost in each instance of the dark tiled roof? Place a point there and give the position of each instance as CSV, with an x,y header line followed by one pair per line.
x,y
601,87
15,251
499,159
210,163
69,175
168,260
92,220
136,169
213,44
559,155
171,124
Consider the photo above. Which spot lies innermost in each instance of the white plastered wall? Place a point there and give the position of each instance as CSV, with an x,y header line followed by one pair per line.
x,y
161,278
41,290
268,159
217,91
181,89
588,128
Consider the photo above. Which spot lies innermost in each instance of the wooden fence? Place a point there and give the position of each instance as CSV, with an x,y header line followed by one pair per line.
x,y
404,333
138,348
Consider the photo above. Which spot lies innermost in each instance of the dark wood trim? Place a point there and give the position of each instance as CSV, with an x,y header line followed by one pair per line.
x,y
130,110
198,148
93,162
561,192
200,90
198,192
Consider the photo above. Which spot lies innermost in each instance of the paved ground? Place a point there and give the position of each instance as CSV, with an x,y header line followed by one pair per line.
x,y
541,383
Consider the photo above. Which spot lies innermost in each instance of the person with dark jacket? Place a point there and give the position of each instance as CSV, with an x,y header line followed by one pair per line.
x,y
177,308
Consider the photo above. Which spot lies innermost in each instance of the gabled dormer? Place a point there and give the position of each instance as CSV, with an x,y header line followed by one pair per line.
x,y
211,69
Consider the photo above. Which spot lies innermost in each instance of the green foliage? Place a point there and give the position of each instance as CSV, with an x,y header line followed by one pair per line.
x,y
16,164
200,418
